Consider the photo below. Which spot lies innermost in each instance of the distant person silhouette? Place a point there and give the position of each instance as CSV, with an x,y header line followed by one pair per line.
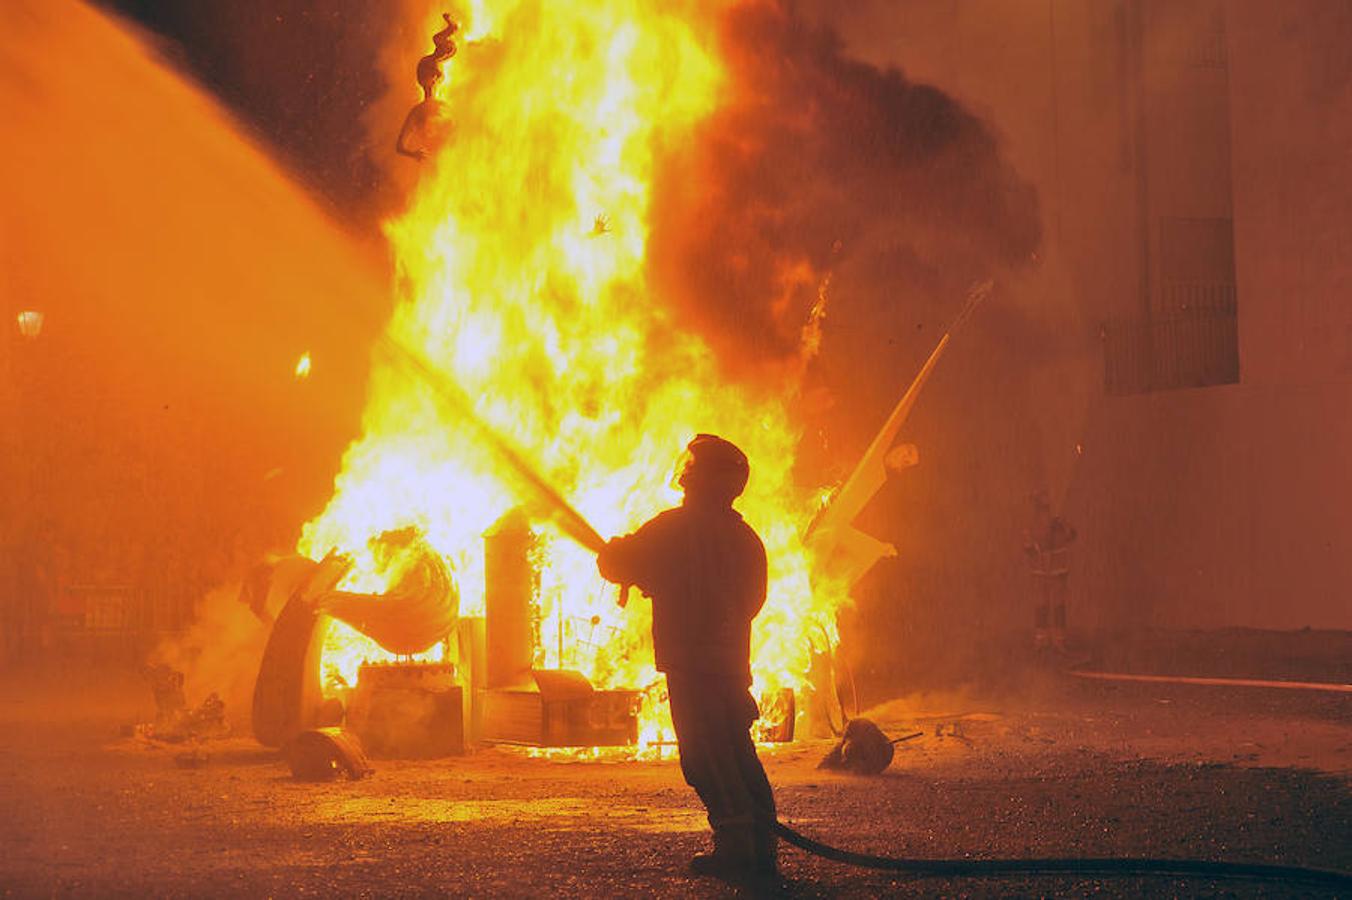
x,y
705,570
1047,545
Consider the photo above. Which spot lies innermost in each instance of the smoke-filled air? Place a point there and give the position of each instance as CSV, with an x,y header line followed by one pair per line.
x,y
528,272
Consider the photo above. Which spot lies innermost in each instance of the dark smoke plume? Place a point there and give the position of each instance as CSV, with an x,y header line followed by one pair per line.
x,y
816,162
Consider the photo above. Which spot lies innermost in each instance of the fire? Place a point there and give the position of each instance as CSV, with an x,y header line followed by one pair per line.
x,y
521,276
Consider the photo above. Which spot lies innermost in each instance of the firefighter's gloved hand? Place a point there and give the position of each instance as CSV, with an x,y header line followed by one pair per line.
x,y
606,559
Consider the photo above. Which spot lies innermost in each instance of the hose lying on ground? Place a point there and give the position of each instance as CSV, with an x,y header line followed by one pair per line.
x,y
1109,867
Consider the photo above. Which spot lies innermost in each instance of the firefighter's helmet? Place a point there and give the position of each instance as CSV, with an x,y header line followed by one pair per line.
x,y
713,467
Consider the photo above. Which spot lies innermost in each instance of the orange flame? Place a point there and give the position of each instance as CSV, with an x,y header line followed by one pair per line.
x,y
521,276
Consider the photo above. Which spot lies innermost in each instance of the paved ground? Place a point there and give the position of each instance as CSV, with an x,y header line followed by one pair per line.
x,y
1066,769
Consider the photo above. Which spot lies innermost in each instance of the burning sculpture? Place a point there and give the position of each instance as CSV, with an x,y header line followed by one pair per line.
x,y
542,330
428,124
552,333
412,709
416,612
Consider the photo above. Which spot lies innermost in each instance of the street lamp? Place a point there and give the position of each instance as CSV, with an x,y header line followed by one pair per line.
x,y
30,323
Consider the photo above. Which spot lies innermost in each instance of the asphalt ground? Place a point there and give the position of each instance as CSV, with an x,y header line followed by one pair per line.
x,y
1054,768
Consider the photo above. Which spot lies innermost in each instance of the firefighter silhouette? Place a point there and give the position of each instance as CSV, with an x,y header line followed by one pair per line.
x,y
705,570
1047,546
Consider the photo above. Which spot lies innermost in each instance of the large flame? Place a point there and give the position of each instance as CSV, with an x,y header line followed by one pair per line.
x,y
521,277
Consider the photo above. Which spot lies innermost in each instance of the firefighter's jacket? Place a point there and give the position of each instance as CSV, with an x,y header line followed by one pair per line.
x,y
704,569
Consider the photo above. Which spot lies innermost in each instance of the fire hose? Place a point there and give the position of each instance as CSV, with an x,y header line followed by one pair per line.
x,y
572,523
1087,867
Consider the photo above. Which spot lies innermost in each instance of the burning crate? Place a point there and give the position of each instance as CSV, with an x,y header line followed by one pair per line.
x,y
561,710
408,711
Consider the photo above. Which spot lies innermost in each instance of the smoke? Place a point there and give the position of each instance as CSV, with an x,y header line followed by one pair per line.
x,y
819,175
219,653
825,174
817,163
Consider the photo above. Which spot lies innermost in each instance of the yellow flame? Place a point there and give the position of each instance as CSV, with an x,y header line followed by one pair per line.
x,y
521,275
303,366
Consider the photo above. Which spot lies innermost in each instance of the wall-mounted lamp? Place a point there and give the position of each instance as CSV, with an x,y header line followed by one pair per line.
x,y
30,323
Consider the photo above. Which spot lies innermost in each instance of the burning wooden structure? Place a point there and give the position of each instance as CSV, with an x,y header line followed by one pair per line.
x,y
411,708
402,708
518,357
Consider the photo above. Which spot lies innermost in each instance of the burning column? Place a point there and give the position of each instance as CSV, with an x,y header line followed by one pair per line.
x,y
509,591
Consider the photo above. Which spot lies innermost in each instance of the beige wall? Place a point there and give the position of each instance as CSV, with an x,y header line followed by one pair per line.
x,y
1217,507
1292,125
1199,508
1229,506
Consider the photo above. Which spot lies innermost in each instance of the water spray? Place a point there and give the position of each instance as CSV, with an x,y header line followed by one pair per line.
x,y
575,525
569,520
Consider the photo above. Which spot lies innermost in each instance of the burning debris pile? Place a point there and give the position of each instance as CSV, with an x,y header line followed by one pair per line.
x,y
550,326
534,278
